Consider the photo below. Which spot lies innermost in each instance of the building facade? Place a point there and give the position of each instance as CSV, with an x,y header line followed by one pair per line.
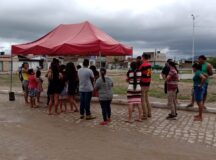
x,y
157,58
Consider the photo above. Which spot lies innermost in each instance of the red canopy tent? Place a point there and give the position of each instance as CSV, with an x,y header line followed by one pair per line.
x,y
82,39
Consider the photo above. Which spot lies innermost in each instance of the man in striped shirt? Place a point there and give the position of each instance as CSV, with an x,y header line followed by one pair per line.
x,y
146,70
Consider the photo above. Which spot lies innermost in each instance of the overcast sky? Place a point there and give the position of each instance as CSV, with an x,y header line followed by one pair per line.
x,y
144,24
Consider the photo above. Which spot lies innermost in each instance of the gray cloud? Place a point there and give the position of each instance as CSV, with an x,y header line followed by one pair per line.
x,y
167,27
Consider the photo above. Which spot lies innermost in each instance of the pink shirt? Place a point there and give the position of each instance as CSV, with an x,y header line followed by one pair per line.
x,y
32,82
39,84
172,83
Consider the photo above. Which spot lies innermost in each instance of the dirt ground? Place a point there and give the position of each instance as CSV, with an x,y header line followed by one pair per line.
x,y
30,134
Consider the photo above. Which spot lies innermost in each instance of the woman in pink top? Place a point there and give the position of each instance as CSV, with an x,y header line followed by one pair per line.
x,y
172,86
32,87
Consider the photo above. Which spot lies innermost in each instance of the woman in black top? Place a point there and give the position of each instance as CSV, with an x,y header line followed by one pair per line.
x,y
55,87
72,79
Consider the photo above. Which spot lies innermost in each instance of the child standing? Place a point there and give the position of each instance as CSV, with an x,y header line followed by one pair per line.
x,y
104,87
39,85
32,86
134,92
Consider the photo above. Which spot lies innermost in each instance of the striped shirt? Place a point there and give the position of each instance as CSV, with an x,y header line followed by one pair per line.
x,y
146,71
134,94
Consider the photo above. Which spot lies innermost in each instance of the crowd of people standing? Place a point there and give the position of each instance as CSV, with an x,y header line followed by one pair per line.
x,y
67,81
64,83
139,79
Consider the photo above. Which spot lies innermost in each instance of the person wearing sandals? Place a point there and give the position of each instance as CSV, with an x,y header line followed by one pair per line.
x,y
73,82
134,91
104,86
39,85
64,88
32,88
172,86
199,80
54,88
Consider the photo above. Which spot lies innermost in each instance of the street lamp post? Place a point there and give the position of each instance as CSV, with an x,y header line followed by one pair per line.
x,y
193,41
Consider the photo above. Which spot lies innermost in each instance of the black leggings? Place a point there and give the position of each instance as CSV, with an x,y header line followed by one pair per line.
x,y
106,109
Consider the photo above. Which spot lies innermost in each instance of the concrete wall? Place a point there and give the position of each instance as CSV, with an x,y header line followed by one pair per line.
x,y
5,66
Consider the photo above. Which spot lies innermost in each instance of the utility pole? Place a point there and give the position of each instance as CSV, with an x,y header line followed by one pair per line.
x,y
155,54
193,37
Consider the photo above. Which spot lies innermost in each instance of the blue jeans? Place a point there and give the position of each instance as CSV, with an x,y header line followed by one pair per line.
x,y
106,109
85,100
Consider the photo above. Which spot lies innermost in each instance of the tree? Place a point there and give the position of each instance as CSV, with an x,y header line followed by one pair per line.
x,y
212,61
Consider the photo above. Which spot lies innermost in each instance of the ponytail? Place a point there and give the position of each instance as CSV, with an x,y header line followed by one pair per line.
x,y
103,73
133,69
135,80
103,77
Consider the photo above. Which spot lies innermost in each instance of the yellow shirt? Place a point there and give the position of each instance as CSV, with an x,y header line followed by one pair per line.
x,y
25,76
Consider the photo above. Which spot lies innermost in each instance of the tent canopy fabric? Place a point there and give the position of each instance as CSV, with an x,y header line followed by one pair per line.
x,y
82,39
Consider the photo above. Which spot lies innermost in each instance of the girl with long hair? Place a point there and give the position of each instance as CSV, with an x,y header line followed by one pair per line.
x,y
96,76
172,86
104,86
64,88
54,88
134,92
72,79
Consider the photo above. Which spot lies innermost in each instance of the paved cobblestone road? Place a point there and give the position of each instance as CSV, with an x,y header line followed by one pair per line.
x,y
18,123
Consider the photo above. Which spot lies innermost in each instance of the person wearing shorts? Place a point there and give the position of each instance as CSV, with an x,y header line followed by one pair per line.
x,y
32,88
199,89
207,70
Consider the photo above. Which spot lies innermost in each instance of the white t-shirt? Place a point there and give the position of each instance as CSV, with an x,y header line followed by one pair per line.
x,y
85,84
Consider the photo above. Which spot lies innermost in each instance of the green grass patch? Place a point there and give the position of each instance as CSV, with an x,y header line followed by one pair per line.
x,y
157,94
119,90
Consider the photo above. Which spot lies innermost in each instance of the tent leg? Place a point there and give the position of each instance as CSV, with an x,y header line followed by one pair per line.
x,y
100,60
11,94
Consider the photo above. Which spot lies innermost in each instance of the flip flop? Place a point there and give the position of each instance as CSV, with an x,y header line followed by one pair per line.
x,y
128,121
76,110
138,120
198,119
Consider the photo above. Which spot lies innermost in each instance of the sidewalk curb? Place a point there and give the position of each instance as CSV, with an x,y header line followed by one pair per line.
x,y
124,102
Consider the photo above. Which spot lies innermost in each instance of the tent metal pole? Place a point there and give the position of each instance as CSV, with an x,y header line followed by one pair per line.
x,y
11,73
11,94
100,59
